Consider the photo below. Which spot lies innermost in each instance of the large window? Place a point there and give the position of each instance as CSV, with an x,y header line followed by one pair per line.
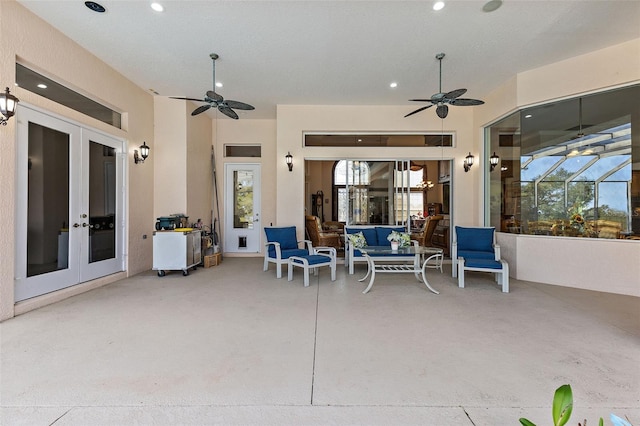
x,y
378,192
569,168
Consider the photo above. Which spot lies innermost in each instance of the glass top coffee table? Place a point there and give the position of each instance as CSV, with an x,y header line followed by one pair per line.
x,y
382,259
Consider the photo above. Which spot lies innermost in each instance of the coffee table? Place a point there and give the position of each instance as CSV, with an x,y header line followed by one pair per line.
x,y
380,259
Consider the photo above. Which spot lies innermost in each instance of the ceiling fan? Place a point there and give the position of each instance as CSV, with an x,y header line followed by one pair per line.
x,y
442,99
214,100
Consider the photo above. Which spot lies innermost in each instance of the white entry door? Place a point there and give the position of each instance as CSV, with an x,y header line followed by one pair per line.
x,y
70,222
242,230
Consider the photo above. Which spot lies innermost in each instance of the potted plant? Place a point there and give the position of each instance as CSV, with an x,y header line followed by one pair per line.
x,y
398,239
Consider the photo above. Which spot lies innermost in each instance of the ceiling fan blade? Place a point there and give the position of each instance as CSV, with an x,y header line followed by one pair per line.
x,y
420,100
201,109
466,102
442,111
228,112
418,110
239,105
455,93
213,95
188,99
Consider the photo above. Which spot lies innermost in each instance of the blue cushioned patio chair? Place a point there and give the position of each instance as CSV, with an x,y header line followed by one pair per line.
x,y
473,243
281,244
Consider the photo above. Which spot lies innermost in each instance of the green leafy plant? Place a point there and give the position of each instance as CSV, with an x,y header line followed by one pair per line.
x,y
563,406
403,238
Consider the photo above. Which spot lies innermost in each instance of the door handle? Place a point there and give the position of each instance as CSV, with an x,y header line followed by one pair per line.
x,y
84,225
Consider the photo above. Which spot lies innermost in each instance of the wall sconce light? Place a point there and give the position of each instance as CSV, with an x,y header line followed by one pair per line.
x,y
289,159
468,162
493,161
8,105
144,153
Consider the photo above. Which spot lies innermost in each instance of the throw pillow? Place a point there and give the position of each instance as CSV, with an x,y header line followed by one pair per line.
x,y
405,239
357,240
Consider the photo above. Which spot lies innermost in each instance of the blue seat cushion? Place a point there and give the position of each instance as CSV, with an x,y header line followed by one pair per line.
x,y
383,232
313,259
482,263
475,254
286,236
293,252
477,239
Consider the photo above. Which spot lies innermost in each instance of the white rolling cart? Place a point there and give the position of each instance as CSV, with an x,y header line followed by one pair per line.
x,y
178,250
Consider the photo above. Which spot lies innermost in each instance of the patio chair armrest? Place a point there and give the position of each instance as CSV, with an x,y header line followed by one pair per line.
x,y
331,251
307,244
276,245
496,248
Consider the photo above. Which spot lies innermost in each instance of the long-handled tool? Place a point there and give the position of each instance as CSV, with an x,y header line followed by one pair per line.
x,y
216,221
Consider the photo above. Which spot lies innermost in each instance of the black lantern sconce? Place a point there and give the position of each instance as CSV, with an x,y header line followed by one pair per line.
x,y
468,162
144,153
8,105
289,159
493,161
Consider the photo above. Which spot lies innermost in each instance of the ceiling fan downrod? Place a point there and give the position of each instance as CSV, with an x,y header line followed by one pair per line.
x,y
439,57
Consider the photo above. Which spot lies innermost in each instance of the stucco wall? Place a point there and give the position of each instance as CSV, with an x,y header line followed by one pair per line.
x,y
170,156
247,131
29,40
199,168
293,120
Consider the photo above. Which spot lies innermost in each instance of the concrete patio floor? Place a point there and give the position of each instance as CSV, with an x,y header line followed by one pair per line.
x,y
233,345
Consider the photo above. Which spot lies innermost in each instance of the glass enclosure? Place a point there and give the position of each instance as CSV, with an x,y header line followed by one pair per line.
x,y
569,168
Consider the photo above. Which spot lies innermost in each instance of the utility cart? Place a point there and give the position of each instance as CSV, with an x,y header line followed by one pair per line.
x,y
177,250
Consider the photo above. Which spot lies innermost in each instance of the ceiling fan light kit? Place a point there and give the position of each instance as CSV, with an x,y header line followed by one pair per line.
x,y
440,99
213,99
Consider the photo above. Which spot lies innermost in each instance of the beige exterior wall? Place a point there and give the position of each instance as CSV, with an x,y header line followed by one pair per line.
x,y
26,38
182,161
199,176
606,68
169,153
250,132
294,120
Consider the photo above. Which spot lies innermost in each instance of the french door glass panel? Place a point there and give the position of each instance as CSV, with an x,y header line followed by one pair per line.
x,y
243,199
48,200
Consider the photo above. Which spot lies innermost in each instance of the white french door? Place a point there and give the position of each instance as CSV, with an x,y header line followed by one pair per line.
x,y
70,204
242,230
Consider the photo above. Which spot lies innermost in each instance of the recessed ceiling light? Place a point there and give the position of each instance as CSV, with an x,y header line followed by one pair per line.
x,y
491,5
96,7
528,116
218,84
42,86
393,85
438,5
157,7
